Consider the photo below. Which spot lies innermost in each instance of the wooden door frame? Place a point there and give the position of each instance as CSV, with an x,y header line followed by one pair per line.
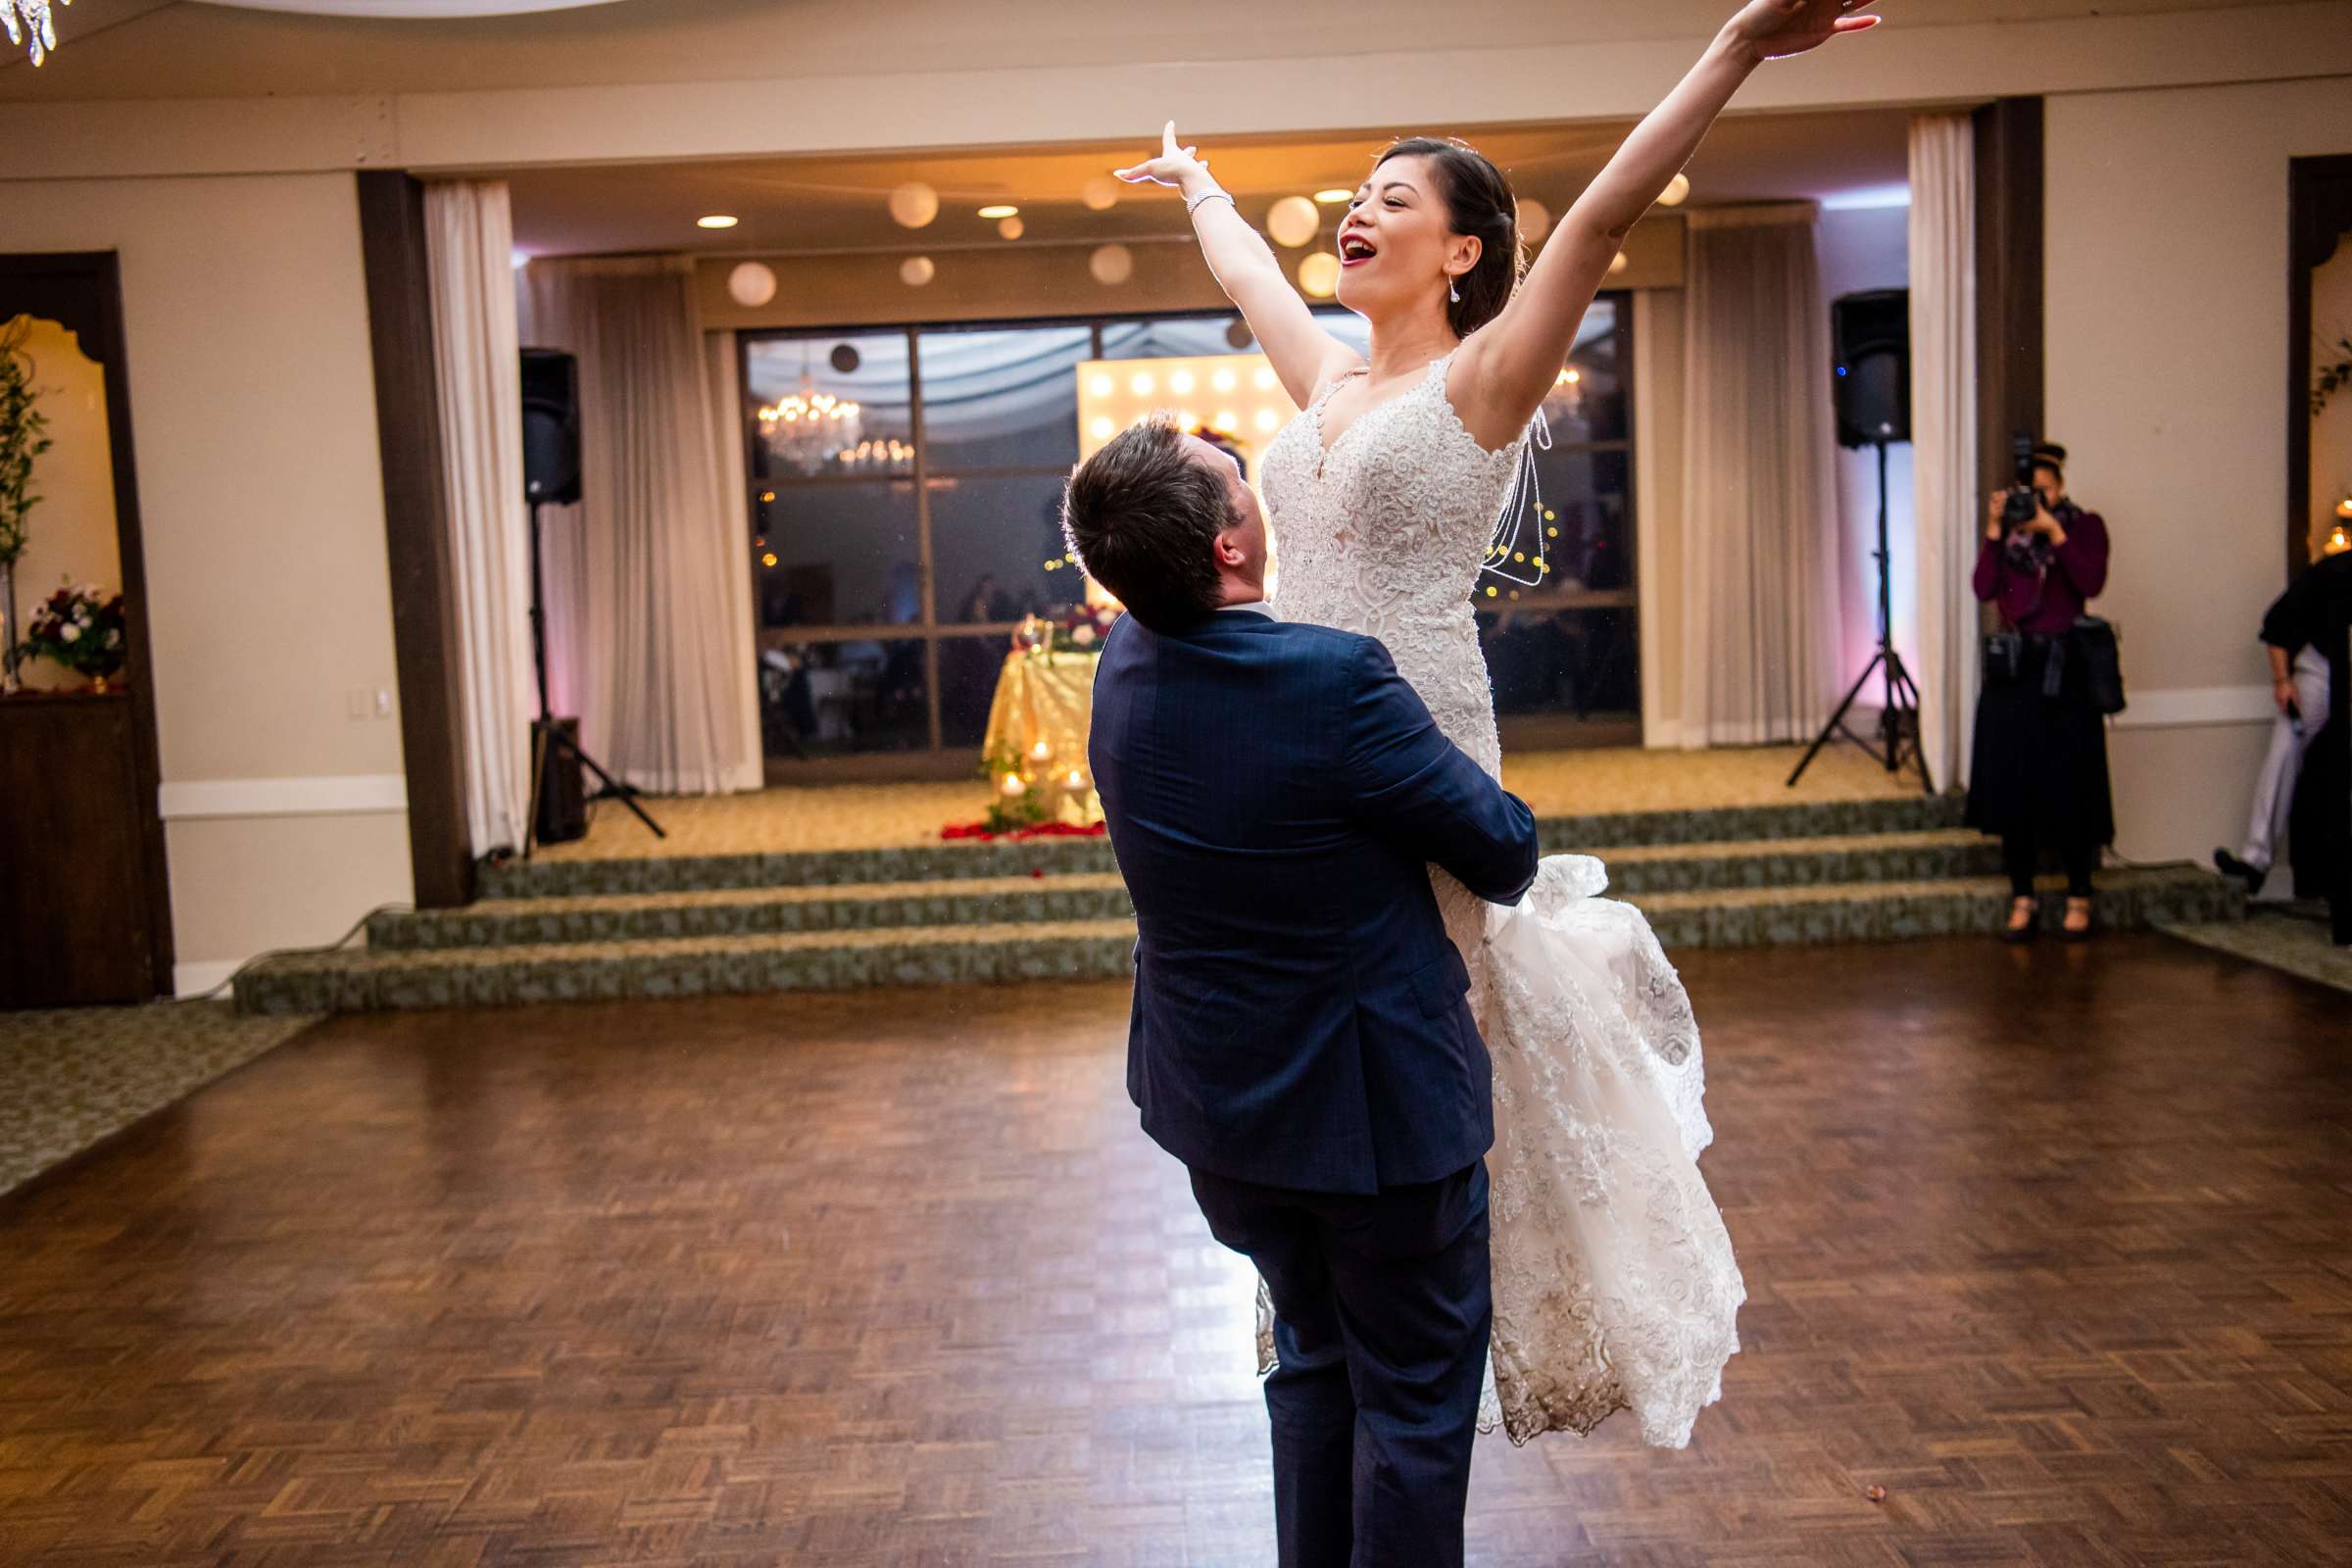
x,y
425,647
2318,214
83,292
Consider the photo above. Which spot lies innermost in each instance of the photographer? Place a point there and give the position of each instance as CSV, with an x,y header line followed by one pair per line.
x,y
2039,779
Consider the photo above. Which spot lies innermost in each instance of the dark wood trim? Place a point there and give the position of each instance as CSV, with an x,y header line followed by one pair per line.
x,y
2010,363
2318,214
82,291
433,709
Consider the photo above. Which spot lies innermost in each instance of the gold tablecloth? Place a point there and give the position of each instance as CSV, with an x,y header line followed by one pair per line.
x,y
1036,739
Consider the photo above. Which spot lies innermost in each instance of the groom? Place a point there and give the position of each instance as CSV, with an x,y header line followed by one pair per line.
x,y
1300,1038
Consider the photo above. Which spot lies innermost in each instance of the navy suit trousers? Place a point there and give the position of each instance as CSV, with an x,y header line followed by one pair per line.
x,y
1382,1313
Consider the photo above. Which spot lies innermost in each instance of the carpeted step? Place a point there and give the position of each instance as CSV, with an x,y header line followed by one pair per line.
x,y
1101,896
2128,900
366,979
565,877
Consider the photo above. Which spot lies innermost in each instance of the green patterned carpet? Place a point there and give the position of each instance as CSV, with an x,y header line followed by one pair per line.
x,y
2292,937
70,1077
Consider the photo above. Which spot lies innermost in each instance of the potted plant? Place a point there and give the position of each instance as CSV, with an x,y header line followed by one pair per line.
x,y
23,438
81,631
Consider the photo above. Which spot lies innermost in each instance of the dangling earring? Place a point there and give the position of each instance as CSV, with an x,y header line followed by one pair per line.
x,y
1450,293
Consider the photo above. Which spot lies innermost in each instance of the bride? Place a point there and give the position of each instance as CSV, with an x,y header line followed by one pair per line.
x,y
1614,1284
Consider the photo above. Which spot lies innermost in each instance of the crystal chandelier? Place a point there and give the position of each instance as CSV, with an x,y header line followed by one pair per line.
x,y
28,22
809,429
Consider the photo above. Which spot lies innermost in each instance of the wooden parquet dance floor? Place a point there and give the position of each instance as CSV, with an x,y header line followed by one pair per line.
x,y
2053,1245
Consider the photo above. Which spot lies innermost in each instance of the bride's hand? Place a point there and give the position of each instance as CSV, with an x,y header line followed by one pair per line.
x,y
1175,166
1774,29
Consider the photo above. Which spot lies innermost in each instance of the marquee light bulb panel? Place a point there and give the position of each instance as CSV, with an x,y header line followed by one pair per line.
x,y
1237,396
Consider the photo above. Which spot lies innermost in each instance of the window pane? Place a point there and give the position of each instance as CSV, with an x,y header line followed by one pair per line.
x,y
1588,530
837,554
968,667
997,549
833,699
1176,337
785,376
1001,398
1577,663
1590,406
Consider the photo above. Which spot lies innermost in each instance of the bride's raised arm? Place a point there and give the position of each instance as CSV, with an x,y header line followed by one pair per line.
x,y
1301,353
1508,366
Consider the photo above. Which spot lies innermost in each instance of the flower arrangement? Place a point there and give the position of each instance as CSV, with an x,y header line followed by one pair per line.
x,y
79,630
1083,627
1018,803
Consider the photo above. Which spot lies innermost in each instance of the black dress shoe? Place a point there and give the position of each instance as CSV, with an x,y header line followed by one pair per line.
x,y
2253,876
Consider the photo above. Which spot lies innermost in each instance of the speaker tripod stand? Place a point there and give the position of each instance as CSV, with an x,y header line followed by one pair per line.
x,y
1901,696
546,733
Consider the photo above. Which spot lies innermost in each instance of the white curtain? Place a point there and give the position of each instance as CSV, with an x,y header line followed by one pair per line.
x,y
723,375
1943,422
649,607
469,243
1760,607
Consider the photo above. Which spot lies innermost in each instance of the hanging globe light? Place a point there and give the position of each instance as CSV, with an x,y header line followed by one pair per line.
x,y
1319,274
1111,264
752,285
914,204
1294,221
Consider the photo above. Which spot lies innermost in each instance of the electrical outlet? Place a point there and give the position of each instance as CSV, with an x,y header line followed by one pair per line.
x,y
355,703
383,702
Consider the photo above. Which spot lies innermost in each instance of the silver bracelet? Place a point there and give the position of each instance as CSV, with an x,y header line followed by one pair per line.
x,y
1209,196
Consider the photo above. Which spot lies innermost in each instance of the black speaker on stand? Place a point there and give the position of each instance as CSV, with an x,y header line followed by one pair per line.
x,y
551,475
1872,388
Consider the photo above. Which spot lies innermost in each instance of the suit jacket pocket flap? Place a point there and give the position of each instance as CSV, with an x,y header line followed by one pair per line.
x,y
1440,987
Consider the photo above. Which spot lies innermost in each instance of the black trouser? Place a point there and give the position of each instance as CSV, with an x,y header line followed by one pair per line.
x,y
2020,852
1382,1309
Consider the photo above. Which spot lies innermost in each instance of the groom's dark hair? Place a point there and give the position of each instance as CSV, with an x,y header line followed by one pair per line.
x,y
1142,517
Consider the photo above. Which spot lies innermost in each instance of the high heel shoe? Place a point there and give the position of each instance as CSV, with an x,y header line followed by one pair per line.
x,y
2015,933
2091,920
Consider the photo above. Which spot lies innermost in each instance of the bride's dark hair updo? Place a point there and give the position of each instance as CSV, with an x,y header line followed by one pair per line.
x,y
1478,201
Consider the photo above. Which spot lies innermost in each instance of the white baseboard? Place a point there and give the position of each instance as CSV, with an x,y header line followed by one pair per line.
x,y
331,795
195,979
2186,705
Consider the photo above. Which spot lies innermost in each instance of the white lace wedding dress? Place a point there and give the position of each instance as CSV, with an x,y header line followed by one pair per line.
x,y
1614,1284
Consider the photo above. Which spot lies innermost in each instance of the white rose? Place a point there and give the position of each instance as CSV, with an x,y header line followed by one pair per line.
x,y
1084,636
70,634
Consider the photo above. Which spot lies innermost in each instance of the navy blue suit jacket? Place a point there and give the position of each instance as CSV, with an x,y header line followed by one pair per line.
x,y
1276,793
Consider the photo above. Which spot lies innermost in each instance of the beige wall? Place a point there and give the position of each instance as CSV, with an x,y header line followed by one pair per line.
x,y
69,535
254,417
2167,372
